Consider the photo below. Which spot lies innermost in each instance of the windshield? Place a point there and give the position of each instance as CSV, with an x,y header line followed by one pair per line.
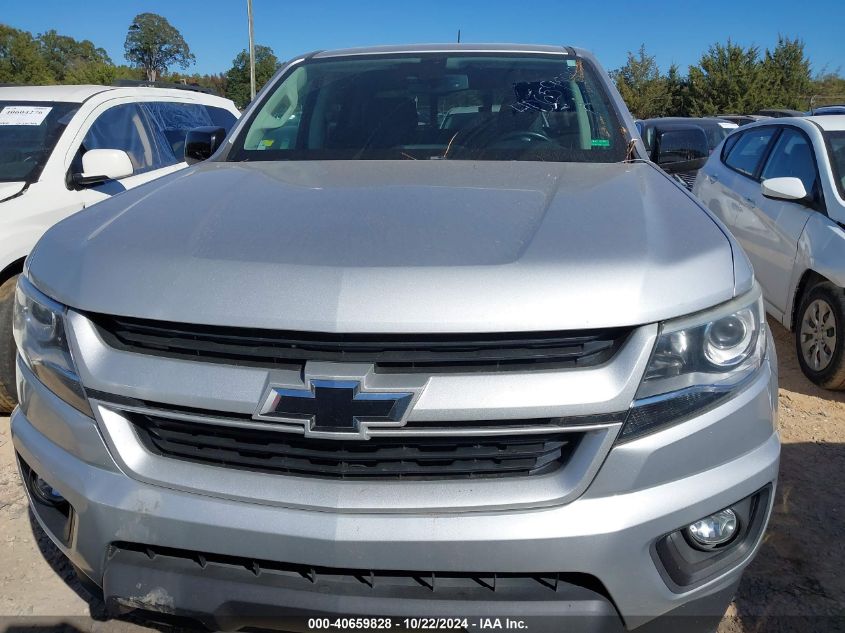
x,y
28,132
836,149
436,106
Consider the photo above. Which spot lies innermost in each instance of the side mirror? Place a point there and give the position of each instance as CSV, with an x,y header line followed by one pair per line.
x,y
100,165
202,142
680,149
786,188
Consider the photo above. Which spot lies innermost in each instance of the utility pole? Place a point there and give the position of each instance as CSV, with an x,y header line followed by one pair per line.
x,y
459,36
251,52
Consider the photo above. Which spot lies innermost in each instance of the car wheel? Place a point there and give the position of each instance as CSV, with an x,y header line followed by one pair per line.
x,y
820,336
8,395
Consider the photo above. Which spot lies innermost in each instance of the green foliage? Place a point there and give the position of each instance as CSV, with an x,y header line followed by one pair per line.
x,y
154,45
216,83
826,88
642,86
728,78
677,88
786,75
20,59
63,55
237,77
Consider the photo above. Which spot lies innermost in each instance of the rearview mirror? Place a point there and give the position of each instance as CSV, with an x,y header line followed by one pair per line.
x,y
786,188
202,142
100,165
680,149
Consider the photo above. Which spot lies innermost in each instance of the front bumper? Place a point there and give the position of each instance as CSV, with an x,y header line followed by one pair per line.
x,y
603,536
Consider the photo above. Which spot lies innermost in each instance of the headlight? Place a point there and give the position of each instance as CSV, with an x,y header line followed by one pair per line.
x,y
39,329
698,361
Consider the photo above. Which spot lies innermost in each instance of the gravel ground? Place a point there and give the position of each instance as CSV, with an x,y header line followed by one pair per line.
x,y
796,583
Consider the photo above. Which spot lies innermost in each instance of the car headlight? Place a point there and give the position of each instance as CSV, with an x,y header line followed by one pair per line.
x,y
698,361
39,329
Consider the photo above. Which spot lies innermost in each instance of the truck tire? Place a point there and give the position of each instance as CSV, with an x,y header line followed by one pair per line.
x,y
8,391
820,335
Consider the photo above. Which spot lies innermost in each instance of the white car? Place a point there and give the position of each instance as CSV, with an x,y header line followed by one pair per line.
x,y
779,185
64,148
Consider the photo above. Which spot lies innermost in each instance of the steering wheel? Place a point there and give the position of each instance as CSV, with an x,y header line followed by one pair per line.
x,y
522,136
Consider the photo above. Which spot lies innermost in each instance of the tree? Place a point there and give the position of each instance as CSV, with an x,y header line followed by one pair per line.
x,y
728,78
641,85
237,77
786,75
216,83
677,89
154,45
827,88
20,61
62,54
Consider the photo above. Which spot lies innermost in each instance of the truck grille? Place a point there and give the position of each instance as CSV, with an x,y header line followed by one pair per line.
x,y
387,352
413,457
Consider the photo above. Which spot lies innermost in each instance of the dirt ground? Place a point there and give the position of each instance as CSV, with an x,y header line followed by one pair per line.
x,y
796,583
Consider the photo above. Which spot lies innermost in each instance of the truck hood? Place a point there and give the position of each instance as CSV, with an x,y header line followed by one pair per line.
x,y
394,246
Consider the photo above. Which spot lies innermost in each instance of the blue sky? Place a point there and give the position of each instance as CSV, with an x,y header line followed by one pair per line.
x,y
675,31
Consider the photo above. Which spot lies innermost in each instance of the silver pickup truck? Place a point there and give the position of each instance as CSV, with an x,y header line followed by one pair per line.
x,y
372,363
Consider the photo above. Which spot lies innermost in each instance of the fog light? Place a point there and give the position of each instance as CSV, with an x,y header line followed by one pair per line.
x,y
715,530
45,492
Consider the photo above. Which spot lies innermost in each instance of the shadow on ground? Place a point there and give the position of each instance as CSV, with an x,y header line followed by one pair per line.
x,y
797,581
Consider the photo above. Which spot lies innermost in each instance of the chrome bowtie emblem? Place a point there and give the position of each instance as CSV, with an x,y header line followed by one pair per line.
x,y
334,408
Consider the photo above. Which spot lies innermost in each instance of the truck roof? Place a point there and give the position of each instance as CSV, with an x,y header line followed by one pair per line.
x,y
71,94
449,48
80,93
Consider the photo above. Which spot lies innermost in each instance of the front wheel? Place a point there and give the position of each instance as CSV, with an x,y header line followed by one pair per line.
x,y
820,336
8,395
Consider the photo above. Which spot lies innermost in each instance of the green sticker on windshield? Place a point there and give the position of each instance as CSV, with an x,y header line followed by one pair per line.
x,y
600,142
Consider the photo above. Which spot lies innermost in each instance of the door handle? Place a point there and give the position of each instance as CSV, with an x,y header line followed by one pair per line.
x,y
749,201
713,178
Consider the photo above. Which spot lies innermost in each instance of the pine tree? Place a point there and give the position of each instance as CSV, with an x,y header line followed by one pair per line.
x,y
786,75
728,78
642,87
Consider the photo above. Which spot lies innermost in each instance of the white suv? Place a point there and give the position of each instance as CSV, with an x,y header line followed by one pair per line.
x,y
779,185
64,148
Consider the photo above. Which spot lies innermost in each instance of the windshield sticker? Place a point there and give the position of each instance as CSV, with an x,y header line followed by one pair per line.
x,y
600,142
24,115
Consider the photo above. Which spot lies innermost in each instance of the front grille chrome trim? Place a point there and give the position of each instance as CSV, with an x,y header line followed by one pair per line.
x,y
573,426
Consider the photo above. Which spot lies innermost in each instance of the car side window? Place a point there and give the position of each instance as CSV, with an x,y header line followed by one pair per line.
x,y
173,119
127,127
792,156
222,118
729,143
749,149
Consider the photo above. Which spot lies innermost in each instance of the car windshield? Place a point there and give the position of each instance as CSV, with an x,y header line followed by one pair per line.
x,y
836,147
28,132
436,106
